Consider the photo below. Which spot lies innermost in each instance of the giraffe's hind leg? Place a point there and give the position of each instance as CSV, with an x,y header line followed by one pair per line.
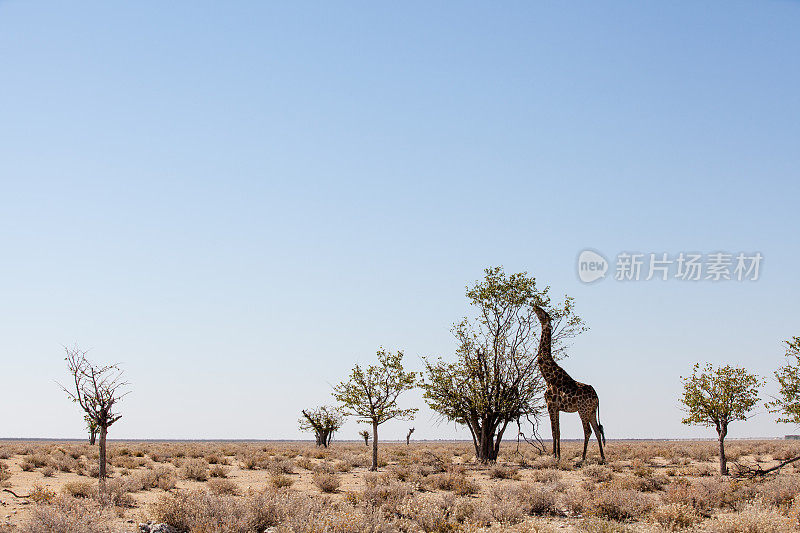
x,y
596,428
587,434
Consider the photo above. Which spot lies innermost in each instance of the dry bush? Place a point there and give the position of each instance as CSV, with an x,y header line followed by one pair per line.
x,y
222,487
676,516
453,480
429,514
535,499
326,481
305,463
78,489
708,494
598,525
201,512
342,466
92,470
575,501
5,472
48,471
127,461
117,494
65,463
218,470
545,461
160,477
753,518
545,476
618,505
41,494
215,459
280,481
281,466
641,484
780,491
598,473
194,469
502,472
67,515
384,493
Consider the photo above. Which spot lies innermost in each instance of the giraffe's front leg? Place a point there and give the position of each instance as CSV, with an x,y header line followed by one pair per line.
x,y
556,432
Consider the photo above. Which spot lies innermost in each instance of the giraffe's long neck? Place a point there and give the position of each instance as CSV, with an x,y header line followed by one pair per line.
x,y
552,373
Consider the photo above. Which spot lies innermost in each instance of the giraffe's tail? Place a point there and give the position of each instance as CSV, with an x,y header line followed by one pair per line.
x,y
600,426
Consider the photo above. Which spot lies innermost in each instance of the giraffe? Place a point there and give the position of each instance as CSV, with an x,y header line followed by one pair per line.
x,y
565,394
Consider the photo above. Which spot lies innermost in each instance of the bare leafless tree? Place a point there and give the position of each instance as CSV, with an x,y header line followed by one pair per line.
x,y
408,436
97,390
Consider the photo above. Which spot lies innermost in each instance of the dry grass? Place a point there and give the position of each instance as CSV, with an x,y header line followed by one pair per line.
x,y
249,487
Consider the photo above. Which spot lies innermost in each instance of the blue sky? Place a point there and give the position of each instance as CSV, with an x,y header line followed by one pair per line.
x,y
238,201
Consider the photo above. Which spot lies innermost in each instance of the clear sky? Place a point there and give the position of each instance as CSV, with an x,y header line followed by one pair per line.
x,y
239,200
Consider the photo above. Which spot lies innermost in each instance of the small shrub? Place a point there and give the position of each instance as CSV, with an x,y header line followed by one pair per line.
x,y
752,519
78,489
194,469
596,525
546,476
304,463
5,473
222,487
282,466
41,494
67,515
218,470
676,516
598,473
618,505
280,481
502,472
452,480
326,481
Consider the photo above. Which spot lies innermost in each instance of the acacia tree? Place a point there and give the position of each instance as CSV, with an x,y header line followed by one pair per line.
x,y
323,422
718,396
495,379
787,404
371,394
96,389
408,436
364,434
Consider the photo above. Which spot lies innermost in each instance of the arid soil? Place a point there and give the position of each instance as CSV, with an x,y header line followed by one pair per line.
x,y
244,487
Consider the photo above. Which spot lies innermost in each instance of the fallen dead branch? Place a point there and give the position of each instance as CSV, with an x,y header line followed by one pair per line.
x,y
749,472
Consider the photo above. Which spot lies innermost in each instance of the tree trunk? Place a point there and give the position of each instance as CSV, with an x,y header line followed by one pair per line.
x,y
92,436
374,446
723,461
103,433
486,451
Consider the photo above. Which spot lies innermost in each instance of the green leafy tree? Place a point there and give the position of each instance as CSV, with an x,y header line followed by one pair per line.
x,y
371,394
718,396
495,379
787,404
323,422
